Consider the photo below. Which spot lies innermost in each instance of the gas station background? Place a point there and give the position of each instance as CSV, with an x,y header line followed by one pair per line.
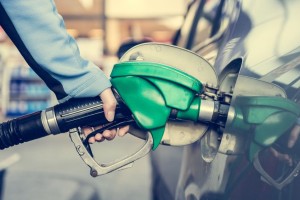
x,y
50,168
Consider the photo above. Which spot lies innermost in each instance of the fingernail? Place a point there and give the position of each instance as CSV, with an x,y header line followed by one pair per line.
x,y
110,116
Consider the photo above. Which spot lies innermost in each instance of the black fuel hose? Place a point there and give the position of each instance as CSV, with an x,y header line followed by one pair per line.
x,y
21,130
58,119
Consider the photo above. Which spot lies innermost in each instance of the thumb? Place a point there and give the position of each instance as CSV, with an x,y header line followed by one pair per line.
x,y
109,104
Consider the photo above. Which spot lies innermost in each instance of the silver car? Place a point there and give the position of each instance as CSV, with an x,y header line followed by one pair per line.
x,y
254,47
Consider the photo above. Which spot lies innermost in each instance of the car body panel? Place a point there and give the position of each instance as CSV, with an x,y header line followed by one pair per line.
x,y
260,41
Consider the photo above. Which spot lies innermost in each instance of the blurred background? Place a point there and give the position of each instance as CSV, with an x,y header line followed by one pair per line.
x,y
50,168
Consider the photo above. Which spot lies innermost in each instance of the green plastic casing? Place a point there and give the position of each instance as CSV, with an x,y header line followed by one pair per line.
x,y
152,90
266,117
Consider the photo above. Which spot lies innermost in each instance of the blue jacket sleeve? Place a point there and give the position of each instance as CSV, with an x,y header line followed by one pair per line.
x,y
39,33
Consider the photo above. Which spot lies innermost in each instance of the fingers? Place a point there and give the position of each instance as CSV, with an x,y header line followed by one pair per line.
x,y
109,107
107,134
99,137
282,157
122,131
109,104
294,136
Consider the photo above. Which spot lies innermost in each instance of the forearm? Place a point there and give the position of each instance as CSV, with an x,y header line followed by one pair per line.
x,y
39,33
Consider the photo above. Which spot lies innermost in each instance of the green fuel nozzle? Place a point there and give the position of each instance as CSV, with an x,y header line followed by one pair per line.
x,y
265,118
152,91
156,93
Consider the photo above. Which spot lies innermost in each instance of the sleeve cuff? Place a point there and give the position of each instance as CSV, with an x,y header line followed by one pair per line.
x,y
96,83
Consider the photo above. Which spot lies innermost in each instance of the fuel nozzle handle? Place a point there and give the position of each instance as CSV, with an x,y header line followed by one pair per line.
x,y
76,112
54,120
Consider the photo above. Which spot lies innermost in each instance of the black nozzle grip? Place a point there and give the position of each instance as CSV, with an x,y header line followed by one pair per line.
x,y
22,129
84,112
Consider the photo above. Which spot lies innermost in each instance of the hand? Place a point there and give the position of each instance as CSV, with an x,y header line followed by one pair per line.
x,y
291,142
109,107
294,136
